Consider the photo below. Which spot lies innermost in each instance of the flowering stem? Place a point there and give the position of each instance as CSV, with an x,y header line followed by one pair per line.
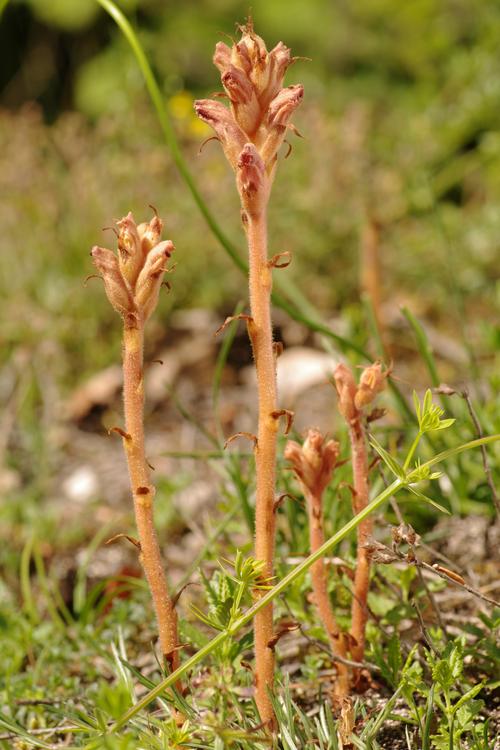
x,y
143,491
260,330
320,592
359,610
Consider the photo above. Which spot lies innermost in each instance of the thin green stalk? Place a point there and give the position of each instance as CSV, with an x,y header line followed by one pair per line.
x,y
412,450
423,345
291,577
29,605
382,352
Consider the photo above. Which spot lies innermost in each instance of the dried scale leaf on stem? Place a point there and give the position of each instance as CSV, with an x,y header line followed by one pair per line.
x,y
132,280
251,131
352,401
314,463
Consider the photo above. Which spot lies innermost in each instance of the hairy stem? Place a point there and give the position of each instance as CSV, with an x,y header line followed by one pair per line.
x,y
359,610
260,330
320,593
143,491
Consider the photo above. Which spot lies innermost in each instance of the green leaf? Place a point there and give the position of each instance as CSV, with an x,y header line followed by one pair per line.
x,y
427,401
416,402
469,695
393,465
444,423
428,500
442,674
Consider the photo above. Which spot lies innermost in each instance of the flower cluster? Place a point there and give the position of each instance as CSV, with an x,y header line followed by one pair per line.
x,y
254,127
352,397
313,462
133,277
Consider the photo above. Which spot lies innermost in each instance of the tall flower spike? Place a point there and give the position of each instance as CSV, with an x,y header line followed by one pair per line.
x,y
132,281
251,131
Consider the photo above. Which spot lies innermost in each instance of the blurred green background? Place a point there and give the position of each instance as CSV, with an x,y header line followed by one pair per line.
x,y
400,125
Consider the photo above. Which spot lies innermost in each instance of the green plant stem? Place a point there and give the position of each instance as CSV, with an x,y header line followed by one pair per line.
x,y
290,578
412,450
423,345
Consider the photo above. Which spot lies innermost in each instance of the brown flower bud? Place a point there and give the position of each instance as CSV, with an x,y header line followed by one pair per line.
x,y
251,180
222,57
227,130
129,248
244,102
252,48
240,57
117,287
150,233
346,390
371,383
279,114
150,278
279,60
314,461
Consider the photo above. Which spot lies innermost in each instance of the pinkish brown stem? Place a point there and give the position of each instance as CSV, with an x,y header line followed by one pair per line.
x,y
143,491
260,330
360,501
320,593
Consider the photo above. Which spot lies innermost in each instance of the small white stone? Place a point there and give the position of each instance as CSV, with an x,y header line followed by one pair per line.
x,y
81,485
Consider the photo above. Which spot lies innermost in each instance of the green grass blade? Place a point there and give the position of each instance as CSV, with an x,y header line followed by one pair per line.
x,y
423,346
3,5
29,605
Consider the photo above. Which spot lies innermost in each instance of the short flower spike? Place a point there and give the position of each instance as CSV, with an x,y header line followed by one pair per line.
x,y
133,278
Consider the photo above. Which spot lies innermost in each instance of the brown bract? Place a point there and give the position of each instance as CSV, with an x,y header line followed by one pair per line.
x,y
132,279
260,108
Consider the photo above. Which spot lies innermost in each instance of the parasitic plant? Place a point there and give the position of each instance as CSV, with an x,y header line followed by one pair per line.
x,y
314,463
352,400
132,280
251,130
